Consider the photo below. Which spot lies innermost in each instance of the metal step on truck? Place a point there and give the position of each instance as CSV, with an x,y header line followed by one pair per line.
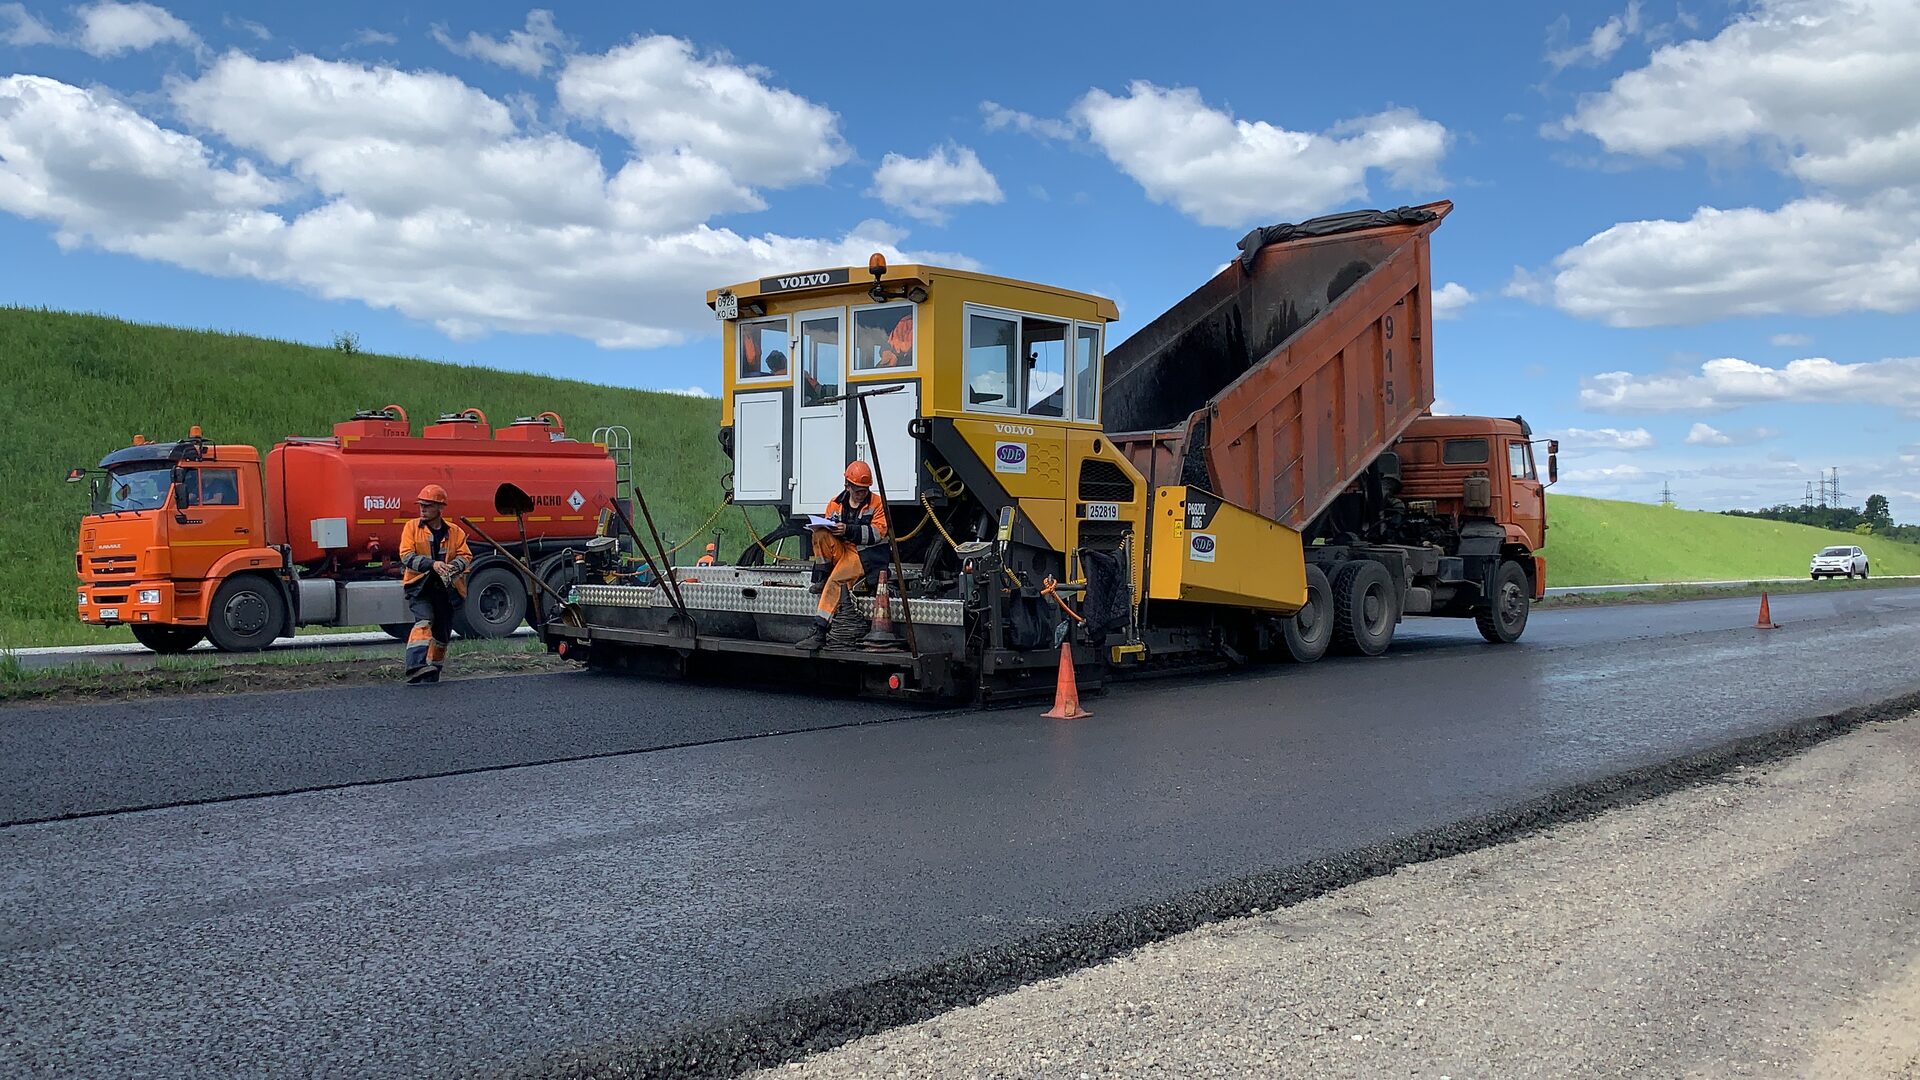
x,y
1254,474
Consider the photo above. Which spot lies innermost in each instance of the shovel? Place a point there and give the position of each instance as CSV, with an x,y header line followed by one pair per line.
x,y
509,499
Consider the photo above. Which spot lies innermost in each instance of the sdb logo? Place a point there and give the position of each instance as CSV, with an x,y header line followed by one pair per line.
x,y
1010,457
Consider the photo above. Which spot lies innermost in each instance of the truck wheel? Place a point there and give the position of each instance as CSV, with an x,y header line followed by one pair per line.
x,y
1309,633
496,602
247,614
398,631
1511,603
1365,609
168,640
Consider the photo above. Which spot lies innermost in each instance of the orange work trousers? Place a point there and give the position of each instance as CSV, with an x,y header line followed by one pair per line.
x,y
847,569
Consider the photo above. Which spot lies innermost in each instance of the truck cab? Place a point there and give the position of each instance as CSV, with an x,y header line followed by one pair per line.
x,y
171,523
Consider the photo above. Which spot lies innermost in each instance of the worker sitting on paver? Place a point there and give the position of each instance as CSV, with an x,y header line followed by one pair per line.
x,y
435,556
859,520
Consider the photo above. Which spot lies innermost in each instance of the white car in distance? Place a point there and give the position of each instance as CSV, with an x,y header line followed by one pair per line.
x,y
1846,562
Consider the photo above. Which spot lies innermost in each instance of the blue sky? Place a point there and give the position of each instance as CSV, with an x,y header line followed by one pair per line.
x,y
1686,238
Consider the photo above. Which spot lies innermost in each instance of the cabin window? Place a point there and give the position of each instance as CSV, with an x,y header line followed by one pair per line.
x,y
819,358
213,487
764,346
1086,373
1044,347
1520,461
1464,452
992,369
883,337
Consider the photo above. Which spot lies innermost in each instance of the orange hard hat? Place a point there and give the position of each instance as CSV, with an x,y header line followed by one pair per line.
x,y
859,475
433,493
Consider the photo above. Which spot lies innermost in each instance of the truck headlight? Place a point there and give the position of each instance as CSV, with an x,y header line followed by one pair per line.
x,y
83,598
149,596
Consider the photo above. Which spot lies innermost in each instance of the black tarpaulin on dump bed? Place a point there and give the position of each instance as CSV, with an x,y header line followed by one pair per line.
x,y
1329,225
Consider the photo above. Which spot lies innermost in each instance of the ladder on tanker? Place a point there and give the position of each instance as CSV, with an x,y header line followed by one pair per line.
x,y
618,442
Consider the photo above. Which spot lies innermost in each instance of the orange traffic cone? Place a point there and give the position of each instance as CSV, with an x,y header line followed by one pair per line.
x,y
881,635
1066,693
1766,616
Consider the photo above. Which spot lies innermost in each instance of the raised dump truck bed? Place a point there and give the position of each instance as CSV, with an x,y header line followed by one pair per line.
x,y
1278,382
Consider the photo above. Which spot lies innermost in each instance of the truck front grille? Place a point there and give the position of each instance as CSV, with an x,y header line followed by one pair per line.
x,y
113,565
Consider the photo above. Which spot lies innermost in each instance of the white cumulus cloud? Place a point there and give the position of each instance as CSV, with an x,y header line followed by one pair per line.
x,y
1600,45
1220,170
416,192
110,29
662,96
1813,256
924,187
1450,300
1730,382
527,51
23,29
1816,89
1708,435
997,117
1606,439
1817,80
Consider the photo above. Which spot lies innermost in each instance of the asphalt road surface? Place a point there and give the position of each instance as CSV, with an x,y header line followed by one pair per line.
x,y
497,873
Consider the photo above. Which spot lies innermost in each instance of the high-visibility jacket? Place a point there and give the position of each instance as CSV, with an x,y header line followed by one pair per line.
x,y
870,520
419,551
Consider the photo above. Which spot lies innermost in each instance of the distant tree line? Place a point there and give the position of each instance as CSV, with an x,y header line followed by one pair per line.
x,y
1874,519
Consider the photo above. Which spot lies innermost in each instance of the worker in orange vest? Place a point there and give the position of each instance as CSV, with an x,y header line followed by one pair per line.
x,y
859,520
435,559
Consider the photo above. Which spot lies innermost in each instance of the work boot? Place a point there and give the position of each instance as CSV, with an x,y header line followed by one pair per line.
x,y
816,638
418,675
821,571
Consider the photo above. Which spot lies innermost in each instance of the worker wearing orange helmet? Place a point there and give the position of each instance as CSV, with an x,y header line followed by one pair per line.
x,y
859,521
435,559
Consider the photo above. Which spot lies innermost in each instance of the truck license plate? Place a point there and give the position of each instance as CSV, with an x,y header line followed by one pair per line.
x,y
726,306
1103,511
109,613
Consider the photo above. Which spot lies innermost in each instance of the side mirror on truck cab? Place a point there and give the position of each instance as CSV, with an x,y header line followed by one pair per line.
x,y
1553,462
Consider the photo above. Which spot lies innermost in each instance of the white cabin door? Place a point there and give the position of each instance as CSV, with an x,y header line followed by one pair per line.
x,y
820,426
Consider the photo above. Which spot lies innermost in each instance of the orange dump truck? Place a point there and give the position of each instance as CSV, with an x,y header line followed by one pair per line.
x,y
194,539
1297,384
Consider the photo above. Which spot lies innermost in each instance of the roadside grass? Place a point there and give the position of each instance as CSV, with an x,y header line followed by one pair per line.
x,y
83,385
1598,542
271,670
1668,594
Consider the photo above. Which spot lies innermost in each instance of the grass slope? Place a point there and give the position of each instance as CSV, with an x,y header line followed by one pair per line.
x,y
82,385
1594,542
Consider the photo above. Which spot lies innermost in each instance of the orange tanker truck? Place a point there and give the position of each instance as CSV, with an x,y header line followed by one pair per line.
x,y
192,539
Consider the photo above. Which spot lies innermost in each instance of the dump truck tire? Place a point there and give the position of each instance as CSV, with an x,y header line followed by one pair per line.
x,y
496,602
1365,608
248,612
168,640
1506,616
1309,634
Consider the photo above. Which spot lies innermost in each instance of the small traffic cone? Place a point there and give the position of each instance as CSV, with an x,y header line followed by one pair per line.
x,y
1766,616
1066,693
881,636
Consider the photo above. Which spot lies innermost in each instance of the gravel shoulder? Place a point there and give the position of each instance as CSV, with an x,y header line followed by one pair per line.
x,y
1766,924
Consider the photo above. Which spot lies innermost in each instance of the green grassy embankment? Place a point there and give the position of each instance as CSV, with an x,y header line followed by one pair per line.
x,y
1595,542
82,385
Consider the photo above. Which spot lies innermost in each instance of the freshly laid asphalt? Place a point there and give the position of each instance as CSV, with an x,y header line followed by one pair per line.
x,y
497,874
